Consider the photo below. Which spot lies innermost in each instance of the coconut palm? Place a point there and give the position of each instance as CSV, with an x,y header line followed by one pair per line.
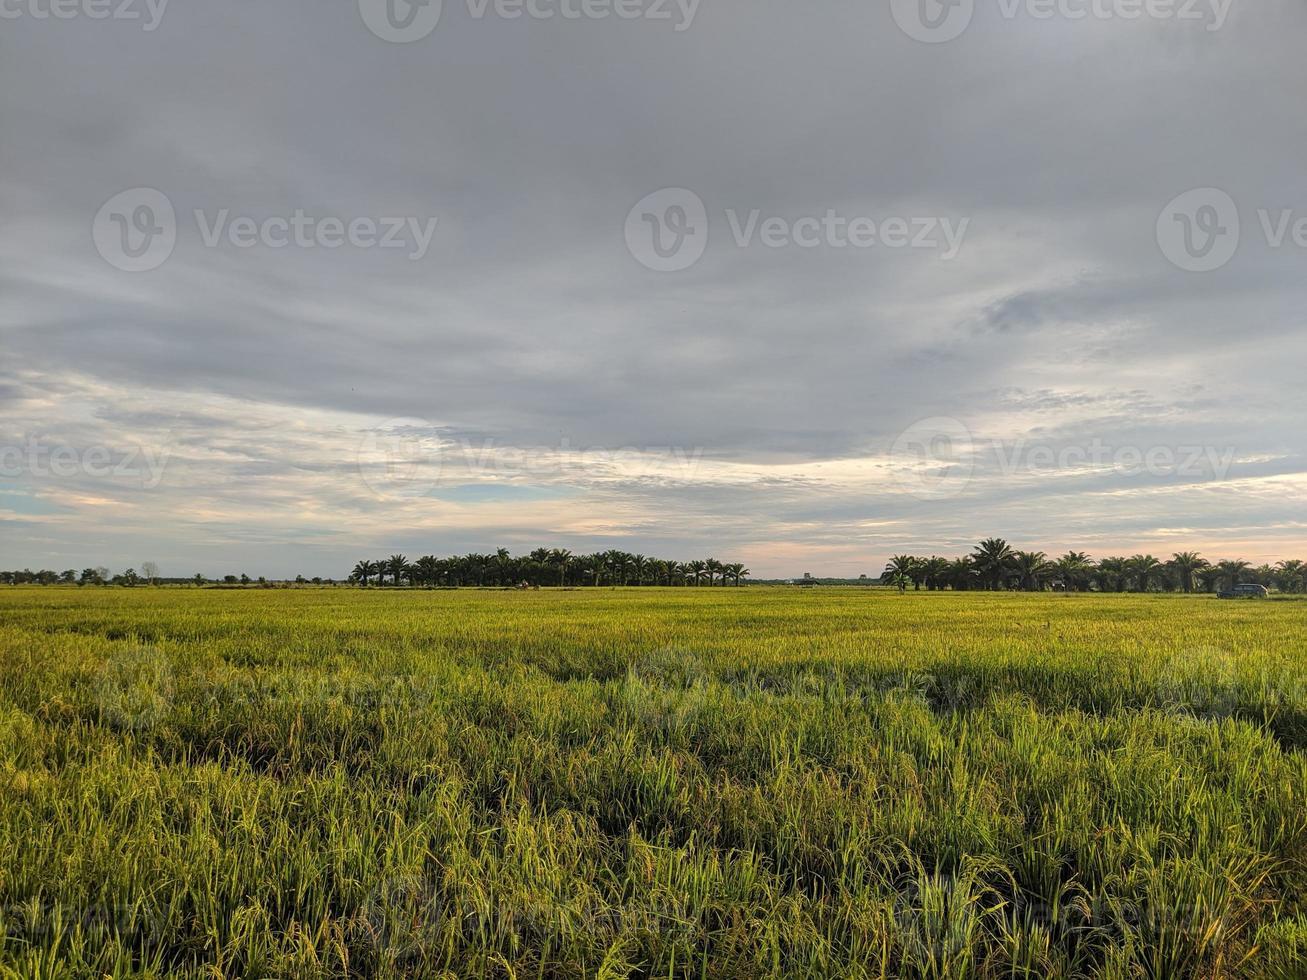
x,y
363,571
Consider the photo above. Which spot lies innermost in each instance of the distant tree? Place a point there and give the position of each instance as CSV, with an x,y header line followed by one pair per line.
x,y
561,559
993,560
1143,570
151,572
899,571
1075,569
962,574
1232,572
397,566
1186,565
1031,569
1291,576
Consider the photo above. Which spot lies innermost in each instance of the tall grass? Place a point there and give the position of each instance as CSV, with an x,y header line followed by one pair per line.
x,y
691,783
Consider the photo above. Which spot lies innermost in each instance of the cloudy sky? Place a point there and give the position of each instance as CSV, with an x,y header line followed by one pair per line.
x,y
285,285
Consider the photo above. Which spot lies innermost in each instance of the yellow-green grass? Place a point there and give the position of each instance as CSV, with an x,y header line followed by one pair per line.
x,y
651,783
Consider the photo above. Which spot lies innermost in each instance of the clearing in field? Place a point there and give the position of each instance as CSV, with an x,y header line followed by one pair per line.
x,y
646,783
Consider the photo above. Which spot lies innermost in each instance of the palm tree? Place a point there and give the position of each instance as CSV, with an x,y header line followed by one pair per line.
x,y
561,558
993,560
696,569
398,567
934,572
736,571
428,569
1186,564
363,571
1114,574
714,568
1290,575
1143,568
1209,578
1232,571
899,571
1075,568
639,565
961,573
1031,568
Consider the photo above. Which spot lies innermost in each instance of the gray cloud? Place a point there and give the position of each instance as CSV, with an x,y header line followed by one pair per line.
x,y
528,325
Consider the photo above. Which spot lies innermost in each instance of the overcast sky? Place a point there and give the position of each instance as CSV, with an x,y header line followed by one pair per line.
x,y
286,285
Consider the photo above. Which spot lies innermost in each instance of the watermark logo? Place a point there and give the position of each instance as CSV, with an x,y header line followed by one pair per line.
x,y
933,21
400,458
45,461
134,689
667,231
937,21
148,12
405,21
401,21
135,230
1199,230
938,458
934,458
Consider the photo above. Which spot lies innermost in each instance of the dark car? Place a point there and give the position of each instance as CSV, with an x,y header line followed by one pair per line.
x,y
1246,592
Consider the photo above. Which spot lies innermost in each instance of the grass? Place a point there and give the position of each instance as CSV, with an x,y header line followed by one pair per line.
x,y
647,783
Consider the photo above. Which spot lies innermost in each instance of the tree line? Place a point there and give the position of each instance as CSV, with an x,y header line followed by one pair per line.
x,y
995,565
545,566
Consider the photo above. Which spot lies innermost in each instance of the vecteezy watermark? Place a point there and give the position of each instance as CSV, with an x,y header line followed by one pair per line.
x,y
1201,230
409,457
668,230
148,12
406,21
136,231
37,458
134,688
937,458
400,458
934,458
938,21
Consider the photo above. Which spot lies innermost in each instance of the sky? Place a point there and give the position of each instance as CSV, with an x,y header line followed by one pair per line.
x,y
801,285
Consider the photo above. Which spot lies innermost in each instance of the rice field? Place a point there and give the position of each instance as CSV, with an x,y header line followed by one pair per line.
x,y
756,782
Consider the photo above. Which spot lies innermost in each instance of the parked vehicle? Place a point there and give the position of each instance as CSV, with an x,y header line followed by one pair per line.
x,y
1246,592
